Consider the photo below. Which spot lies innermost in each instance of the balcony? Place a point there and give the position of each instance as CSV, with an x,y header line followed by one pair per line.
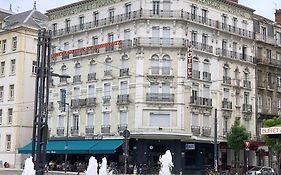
x,y
234,55
202,47
265,38
60,131
206,131
89,130
159,97
159,42
51,106
75,103
63,80
226,105
106,99
105,129
123,99
200,101
74,130
269,62
247,108
160,71
122,127
124,72
195,74
91,101
226,80
235,30
195,130
77,79
207,76
108,73
92,76
247,84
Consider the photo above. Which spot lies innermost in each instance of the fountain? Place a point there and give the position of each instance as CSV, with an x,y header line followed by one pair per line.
x,y
166,163
28,167
92,167
103,168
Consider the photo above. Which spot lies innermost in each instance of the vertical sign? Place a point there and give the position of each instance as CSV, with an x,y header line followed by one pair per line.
x,y
63,99
189,62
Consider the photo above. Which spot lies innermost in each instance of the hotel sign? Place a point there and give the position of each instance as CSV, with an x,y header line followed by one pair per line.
x,y
85,49
271,130
189,62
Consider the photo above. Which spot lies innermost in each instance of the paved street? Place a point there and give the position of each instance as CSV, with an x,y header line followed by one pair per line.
x,y
19,172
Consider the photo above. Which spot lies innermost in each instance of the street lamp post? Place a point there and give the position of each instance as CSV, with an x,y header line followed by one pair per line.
x,y
216,143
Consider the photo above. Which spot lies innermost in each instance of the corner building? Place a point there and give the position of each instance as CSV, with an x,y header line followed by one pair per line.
x,y
141,83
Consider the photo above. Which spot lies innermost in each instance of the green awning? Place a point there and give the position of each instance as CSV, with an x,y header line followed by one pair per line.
x,y
78,146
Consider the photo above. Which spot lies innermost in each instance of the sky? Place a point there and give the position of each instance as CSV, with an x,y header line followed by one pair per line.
x,y
263,7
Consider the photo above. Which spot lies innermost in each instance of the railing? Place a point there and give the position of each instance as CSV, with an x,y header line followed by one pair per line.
x,y
107,72
160,42
200,101
226,80
195,74
202,47
147,14
160,97
247,108
76,78
247,84
206,131
63,80
266,38
105,129
207,76
60,131
106,99
272,61
89,130
195,130
74,103
123,99
234,55
92,76
92,101
124,72
74,130
122,127
226,104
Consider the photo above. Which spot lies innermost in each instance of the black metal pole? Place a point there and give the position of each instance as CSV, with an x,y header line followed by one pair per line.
x,y
216,143
66,142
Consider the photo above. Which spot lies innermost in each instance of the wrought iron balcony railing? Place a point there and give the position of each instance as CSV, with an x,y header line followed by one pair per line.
x,y
105,129
247,108
195,74
123,99
74,130
226,104
60,131
160,97
207,76
106,99
226,80
202,47
76,78
206,131
124,72
122,127
195,130
200,101
247,84
91,101
89,130
92,76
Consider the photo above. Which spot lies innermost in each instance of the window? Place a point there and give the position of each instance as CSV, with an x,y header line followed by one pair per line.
x,y
259,103
77,69
91,91
106,89
263,32
154,88
2,68
193,12
278,38
279,81
206,120
225,126
111,15
67,25
81,22
224,46
194,37
13,67
206,91
155,8
10,116
80,43
166,35
54,28
90,119
234,20
155,34
66,46
92,67
224,21
1,113
4,45
96,18
34,66
225,70
128,10
124,62
95,40
61,121
246,98
268,104
75,120
159,119
244,52
76,92
204,40
14,43
278,58
237,98
226,94
123,117
166,65
244,26
106,118
108,67
110,38
8,142
12,92
155,64
234,49
123,88
194,119
204,16
195,89
1,93
279,104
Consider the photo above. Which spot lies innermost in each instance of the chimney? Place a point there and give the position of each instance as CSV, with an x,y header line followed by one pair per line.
x,y
278,16
236,1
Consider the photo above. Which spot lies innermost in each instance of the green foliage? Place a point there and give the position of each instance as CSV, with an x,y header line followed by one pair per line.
x,y
272,142
237,135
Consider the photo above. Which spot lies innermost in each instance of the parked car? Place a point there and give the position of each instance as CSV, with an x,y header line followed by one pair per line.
x,y
261,170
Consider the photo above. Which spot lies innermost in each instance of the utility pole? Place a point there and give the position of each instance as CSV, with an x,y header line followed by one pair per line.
x,y
216,143
40,121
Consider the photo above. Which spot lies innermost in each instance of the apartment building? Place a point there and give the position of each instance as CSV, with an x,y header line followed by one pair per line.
x,y
268,71
18,42
158,69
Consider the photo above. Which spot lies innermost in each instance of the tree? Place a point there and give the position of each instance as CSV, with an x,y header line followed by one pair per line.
x,y
236,138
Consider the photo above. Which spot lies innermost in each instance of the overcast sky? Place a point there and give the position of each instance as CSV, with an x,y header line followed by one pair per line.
x,y
263,7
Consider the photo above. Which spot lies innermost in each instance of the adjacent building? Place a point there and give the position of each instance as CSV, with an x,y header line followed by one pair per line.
x,y
18,42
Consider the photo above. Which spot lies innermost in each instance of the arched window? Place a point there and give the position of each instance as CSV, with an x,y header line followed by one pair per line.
x,y
195,63
155,64
77,69
92,66
246,74
108,67
166,65
63,69
124,61
206,70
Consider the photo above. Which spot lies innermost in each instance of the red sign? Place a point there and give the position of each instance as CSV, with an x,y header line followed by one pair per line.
x,y
89,48
189,62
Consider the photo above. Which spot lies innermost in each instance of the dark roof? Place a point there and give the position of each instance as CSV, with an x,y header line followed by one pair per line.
x,y
31,18
4,13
